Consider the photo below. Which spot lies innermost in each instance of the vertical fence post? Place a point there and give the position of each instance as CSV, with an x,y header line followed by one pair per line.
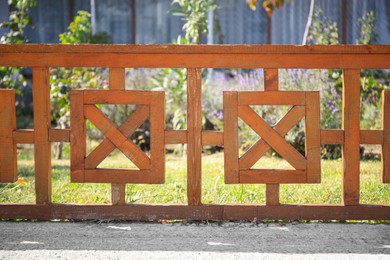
x,y
8,166
117,81
271,83
194,128
351,127
386,135
42,146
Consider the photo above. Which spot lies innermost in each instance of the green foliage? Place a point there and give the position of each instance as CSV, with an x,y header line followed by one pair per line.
x,y
368,32
194,13
80,31
63,79
323,30
18,20
12,77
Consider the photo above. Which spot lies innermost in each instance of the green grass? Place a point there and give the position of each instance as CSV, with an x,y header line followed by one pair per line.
x,y
373,191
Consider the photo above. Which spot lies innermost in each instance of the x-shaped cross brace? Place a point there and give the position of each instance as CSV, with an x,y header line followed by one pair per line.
x,y
117,137
272,137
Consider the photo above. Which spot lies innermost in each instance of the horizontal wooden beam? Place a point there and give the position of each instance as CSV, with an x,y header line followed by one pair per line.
x,y
203,212
336,136
371,136
212,138
24,136
200,60
59,135
198,49
175,136
328,136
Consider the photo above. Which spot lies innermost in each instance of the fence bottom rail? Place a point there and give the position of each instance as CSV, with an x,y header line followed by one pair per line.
x,y
137,212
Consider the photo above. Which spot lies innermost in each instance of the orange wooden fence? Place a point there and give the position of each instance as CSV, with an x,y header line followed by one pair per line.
x,y
351,59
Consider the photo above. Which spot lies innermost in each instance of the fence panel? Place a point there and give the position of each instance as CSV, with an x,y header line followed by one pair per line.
x,y
151,104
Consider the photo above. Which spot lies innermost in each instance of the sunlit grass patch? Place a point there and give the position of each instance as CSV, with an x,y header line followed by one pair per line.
x,y
214,190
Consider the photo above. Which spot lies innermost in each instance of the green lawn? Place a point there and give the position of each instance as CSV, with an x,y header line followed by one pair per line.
x,y
213,188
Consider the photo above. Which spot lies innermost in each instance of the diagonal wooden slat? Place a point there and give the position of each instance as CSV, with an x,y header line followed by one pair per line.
x,y
277,142
134,121
258,150
128,148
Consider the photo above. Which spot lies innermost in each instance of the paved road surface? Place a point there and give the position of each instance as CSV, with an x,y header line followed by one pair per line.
x,y
225,240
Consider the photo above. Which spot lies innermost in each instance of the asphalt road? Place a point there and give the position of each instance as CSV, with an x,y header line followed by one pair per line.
x,y
218,240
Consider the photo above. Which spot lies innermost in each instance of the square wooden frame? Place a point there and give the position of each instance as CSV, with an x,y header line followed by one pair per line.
x,y
82,100
236,104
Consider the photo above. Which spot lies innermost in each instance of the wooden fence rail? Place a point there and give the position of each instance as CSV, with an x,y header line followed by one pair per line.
x,y
150,104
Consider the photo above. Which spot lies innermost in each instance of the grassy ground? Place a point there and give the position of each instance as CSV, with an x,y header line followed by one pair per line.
x,y
213,188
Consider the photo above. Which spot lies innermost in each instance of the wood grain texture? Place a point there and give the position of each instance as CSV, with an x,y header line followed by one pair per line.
x,y
212,138
42,145
277,142
157,141
271,83
332,136
386,135
230,126
371,136
59,135
192,60
163,56
198,49
119,97
118,177
258,150
77,133
117,78
313,137
135,120
118,194
284,98
194,128
117,81
8,153
252,176
127,147
272,194
23,136
204,212
175,136
351,147
271,80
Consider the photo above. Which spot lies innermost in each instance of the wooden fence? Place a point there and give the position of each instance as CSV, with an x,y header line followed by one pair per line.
x,y
351,59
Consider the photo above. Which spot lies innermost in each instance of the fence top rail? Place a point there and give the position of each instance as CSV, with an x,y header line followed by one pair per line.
x,y
194,49
197,56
